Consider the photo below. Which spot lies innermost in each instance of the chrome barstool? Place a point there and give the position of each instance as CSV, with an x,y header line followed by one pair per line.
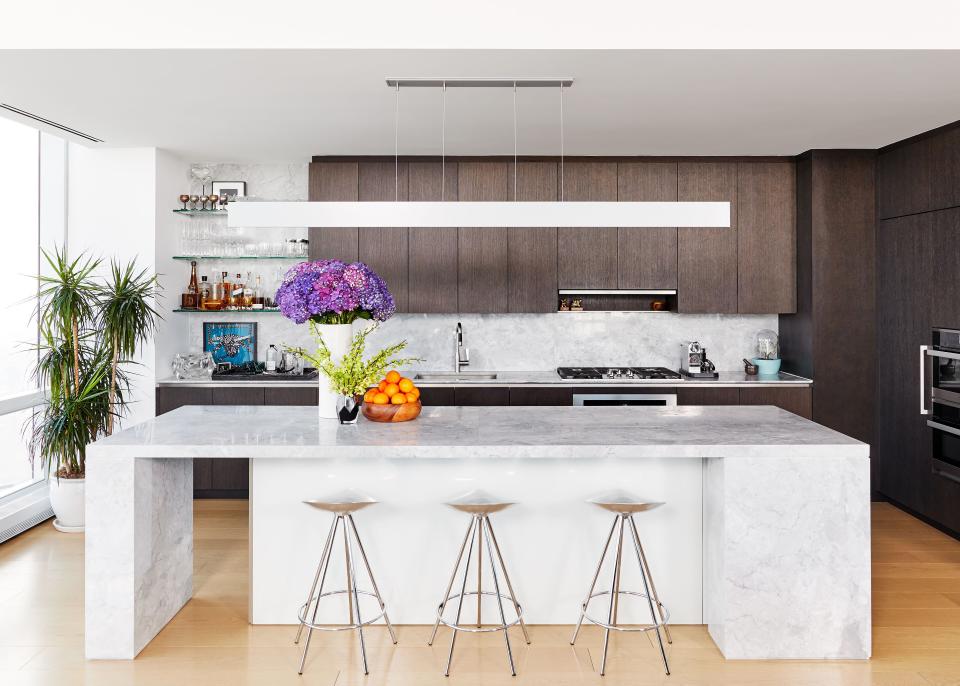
x,y
342,505
625,506
480,505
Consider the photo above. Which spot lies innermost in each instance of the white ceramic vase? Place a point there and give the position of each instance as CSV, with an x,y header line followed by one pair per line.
x,y
67,501
337,338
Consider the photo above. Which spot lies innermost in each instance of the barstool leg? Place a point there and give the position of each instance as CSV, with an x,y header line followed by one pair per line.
x,y
453,576
316,577
593,584
323,578
373,582
346,561
352,569
645,568
614,592
496,588
513,596
463,588
653,614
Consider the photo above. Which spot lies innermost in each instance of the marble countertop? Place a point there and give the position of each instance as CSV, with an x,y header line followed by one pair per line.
x,y
482,432
533,378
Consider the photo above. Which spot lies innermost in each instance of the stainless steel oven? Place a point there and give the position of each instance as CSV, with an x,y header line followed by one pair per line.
x,y
622,399
944,408
945,422
945,365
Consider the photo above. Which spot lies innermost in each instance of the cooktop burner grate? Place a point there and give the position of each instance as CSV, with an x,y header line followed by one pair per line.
x,y
618,373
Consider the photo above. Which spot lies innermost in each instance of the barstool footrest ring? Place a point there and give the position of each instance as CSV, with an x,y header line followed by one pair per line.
x,y
302,615
641,628
475,629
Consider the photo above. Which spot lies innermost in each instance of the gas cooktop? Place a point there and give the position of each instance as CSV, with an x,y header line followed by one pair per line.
x,y
617,373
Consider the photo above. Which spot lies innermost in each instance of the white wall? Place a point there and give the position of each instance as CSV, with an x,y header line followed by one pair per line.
x,y
112,213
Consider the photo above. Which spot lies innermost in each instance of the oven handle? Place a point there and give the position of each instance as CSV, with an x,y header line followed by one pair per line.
x,y
943,427
924,351
932,352
946,475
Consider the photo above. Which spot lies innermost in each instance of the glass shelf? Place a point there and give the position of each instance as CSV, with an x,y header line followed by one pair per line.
x,y
269,310
239,257
201,213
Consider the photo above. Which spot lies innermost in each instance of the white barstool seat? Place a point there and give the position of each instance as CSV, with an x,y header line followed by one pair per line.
x,y
625,505
342,504
480,505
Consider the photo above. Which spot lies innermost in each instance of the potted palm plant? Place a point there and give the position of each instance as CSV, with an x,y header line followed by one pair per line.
x,y
90,329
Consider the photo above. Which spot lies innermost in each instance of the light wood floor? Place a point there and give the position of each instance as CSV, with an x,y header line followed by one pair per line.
x,y
916,628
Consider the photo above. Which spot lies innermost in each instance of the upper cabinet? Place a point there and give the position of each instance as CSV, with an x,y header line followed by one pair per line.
x,y
707,257
766,237
482,251
386,249
647,258
334,181
432,278
587,257
532,272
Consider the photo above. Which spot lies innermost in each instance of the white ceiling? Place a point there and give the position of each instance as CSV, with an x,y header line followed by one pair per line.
x,y
278,105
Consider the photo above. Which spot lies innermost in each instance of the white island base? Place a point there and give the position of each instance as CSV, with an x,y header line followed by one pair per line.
x,y
765,535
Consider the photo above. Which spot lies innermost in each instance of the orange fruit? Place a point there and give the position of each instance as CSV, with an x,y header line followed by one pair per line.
x,y
405,385
415,392
392,389
369,395
411,397
393,376
383,386
381,399
398,399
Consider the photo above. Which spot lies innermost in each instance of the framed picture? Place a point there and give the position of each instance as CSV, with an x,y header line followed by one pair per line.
x,y
230,189
233,342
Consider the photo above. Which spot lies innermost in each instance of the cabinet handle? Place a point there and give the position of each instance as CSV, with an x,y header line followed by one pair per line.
x,y
943,427
923,379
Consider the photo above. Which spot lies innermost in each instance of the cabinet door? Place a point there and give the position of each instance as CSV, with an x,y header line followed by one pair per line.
x,y
766,237
532,274
647,258
437,396
385,248
306,395
170,398
541,396
432,280
489,396
904,261
797,400
701,395
333,181
230,477
482,253
587,257
707,257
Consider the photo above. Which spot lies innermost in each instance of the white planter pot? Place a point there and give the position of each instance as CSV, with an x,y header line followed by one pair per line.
x,y
67,501
337,338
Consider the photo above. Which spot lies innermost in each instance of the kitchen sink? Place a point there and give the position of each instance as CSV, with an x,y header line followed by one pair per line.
x,y
456,376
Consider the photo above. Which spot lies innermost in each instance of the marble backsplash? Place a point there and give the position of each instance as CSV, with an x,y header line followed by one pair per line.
x,y
530,342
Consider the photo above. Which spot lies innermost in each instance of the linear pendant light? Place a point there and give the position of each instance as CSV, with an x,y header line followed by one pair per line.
x,y
443,213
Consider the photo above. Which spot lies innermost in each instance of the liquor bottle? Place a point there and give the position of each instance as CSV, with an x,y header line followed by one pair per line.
x,y
248,292
226,288
206,294
190,300
258,303
236,294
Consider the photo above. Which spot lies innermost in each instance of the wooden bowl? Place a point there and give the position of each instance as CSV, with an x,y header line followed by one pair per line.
x,y
391,413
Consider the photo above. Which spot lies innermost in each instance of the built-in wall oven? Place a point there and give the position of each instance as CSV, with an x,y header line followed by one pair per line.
x,y
623,399
944,406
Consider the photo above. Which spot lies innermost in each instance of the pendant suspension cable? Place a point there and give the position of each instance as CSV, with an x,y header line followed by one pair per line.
x,y
443,140
515,141
561,141
396,146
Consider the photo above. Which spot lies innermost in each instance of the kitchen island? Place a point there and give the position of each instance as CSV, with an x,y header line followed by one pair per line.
x,y
765,535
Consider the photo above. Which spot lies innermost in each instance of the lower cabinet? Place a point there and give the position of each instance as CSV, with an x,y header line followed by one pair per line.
x,y
798,400
708,396
541,396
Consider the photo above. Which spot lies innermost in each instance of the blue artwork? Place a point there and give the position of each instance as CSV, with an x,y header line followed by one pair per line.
x,y
235,343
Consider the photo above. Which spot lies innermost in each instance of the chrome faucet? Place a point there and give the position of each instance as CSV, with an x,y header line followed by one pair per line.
x,y
461,355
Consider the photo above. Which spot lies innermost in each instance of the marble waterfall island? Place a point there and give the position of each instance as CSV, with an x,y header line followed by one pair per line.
x,y
765,535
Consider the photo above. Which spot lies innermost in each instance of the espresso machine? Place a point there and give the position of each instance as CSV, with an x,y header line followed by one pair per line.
x,y
694,362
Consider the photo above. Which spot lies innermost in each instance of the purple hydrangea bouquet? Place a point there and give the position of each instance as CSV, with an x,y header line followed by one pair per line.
x,y
333,292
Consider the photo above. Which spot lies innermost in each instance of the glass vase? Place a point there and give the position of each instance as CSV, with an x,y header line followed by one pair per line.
x,y
348,408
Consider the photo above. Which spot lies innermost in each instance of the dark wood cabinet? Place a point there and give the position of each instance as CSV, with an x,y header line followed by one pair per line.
x,y
532,272
482,395
437,396
647,258
169,398
707,257
432,278
587,257
385,249
541,395
703,395
292,395
230,477
797,400
766,238
333,181
483,262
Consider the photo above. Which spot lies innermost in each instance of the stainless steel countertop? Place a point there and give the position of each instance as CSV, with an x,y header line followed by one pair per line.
x,y
533,378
